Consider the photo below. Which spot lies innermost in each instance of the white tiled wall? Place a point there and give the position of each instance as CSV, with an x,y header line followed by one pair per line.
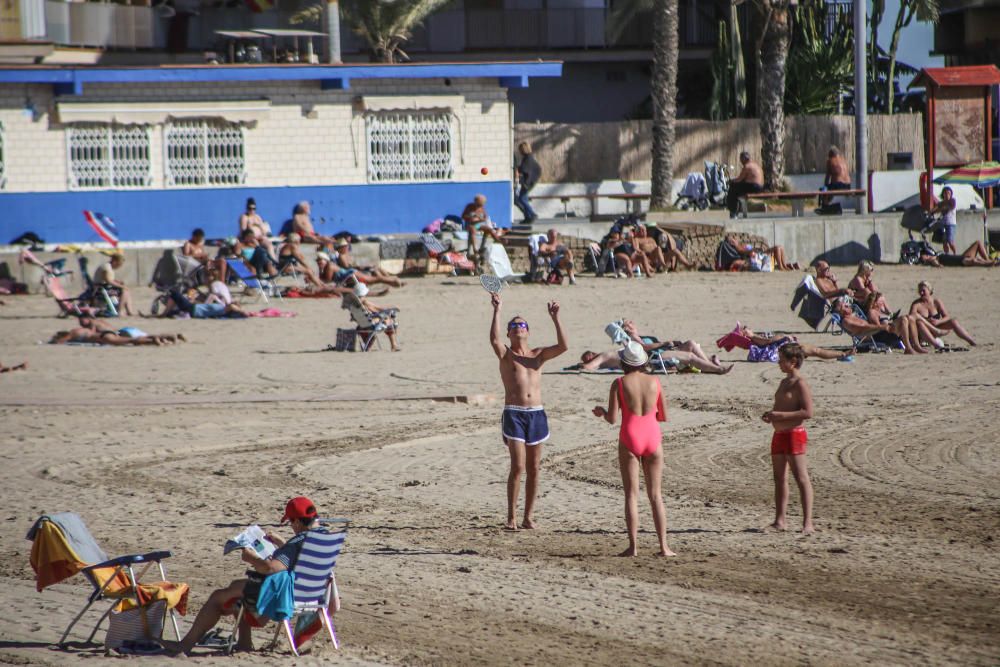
x,y
285,148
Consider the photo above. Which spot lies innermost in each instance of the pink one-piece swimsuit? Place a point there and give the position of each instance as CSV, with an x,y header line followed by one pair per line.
x,y
639,433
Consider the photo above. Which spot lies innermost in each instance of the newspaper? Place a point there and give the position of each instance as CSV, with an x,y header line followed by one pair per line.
x,y
251,538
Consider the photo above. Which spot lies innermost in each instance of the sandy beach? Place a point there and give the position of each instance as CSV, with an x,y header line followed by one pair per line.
x,y
179,447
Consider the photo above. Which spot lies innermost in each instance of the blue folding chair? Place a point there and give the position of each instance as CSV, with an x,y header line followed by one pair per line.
x,y
860,342
263,284
315,589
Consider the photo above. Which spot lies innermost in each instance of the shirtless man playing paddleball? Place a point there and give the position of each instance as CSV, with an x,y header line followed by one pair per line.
x,y
525,426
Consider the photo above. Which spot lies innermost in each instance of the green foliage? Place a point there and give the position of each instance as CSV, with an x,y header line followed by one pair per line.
x,y
820,67
384,24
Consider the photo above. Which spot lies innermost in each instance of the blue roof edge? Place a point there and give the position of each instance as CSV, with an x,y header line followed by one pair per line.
x,y
70,80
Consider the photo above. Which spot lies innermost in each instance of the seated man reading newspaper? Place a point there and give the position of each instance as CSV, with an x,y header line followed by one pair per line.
x,y
264,560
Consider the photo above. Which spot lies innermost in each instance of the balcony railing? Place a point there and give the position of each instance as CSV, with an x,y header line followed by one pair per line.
x,y
118,26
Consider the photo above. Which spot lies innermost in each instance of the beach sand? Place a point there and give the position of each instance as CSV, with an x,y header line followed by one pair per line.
x,y
179,447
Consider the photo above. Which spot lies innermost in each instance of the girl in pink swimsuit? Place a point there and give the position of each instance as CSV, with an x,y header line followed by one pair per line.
x,y
640,398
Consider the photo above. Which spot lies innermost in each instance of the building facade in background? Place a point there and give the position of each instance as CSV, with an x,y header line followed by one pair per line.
x,y
161,150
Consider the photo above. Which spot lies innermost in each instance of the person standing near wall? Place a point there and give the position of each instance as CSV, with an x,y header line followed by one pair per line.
x,y
528,173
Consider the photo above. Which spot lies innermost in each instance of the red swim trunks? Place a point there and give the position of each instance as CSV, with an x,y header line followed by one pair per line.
x,y
789,443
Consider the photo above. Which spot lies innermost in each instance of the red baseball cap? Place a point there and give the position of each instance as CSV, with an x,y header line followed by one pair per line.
x,y
299,508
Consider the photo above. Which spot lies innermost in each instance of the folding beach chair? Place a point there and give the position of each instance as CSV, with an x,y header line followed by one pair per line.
x,y
62,546
263,284
83,304
814,308
862,341
315,590
106,297
499,263
370,324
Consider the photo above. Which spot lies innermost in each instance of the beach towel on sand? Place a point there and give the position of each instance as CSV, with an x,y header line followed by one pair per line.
x,y
272,312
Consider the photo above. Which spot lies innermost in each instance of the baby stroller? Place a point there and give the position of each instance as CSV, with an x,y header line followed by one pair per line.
x,y
703,190
174,271
916,219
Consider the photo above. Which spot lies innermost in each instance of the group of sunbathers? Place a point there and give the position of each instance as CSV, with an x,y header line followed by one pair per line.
x,y
335,271
633,248
864,310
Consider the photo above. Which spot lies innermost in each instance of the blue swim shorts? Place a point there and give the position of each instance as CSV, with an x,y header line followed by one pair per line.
x,y
527,425
949,234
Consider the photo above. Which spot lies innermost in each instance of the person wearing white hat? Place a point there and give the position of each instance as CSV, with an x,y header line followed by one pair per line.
x,y
524,425
639,398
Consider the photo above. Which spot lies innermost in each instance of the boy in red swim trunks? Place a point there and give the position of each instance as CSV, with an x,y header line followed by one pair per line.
x,y
792,405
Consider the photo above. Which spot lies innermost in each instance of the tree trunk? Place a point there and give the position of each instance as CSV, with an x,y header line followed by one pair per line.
x,y
903,19
664,93
771,92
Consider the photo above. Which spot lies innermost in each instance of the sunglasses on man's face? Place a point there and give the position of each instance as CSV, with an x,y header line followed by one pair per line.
x,y
517,325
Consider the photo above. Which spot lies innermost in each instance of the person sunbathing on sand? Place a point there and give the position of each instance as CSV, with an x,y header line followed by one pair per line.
x,y
690,351
932,309
301,513
85,335
100,327
639,398
904,329
524,424
768,339
793,405
10,369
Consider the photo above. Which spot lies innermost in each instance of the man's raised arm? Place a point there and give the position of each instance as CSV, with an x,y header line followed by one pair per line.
x,y
553,351
496,334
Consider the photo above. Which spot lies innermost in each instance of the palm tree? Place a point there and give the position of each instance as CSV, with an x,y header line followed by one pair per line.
x,y
663,83
664,93
384,24
820,61
924,10
774,34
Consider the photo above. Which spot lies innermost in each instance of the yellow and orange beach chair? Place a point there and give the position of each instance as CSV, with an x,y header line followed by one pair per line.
x,y
62,547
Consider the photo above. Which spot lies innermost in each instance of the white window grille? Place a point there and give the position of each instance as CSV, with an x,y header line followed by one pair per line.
x,y
200,152
3,158
409,146
109,156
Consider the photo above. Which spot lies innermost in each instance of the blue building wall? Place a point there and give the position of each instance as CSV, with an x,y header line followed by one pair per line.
x,y
145,215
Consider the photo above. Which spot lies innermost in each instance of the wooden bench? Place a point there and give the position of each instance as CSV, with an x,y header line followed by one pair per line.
x,y
798,199
566,198
633,199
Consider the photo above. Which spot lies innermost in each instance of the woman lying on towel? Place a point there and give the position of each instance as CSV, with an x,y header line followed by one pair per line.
x,y
90,336
764,346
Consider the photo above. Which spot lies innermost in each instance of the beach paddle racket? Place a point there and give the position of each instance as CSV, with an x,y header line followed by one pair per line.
x,y
491,284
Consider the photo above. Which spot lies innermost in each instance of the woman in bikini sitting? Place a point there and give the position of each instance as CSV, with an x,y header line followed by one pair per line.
x,y
931,309
867,295
640,398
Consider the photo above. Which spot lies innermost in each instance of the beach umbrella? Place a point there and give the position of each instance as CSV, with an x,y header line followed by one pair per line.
x,y
980,175
103,225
